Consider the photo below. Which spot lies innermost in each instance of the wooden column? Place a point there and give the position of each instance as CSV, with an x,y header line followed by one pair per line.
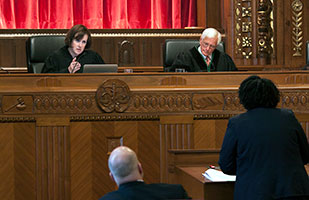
x,y
52,158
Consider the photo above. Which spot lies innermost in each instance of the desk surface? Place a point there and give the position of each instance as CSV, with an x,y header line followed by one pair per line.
x,y
199,187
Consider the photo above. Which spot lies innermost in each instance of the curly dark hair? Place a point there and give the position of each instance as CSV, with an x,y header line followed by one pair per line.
x,y
77,32
258,92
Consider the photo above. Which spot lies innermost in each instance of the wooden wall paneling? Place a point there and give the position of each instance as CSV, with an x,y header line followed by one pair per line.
x,y
176,132
81,160
227,18
149,150
280,32
25,161
201,13
189,157
213,14
104,139
8,52
53,158
150,53
20,52
208,134
7,165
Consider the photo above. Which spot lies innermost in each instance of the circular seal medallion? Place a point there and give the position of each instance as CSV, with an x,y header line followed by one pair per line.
x,y
113,96
297,5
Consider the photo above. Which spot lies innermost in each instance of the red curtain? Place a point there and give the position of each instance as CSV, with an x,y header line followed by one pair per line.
x,y
97,14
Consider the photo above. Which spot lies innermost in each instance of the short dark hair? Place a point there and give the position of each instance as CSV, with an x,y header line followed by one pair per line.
x,y
258,92
77,32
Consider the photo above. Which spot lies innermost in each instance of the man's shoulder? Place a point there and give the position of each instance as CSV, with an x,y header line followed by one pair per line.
x,y
115,195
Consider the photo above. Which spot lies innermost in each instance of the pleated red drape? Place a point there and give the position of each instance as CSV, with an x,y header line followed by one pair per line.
x,y
97,14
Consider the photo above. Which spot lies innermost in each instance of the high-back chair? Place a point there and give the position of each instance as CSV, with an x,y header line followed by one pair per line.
x,y
173,47
38,48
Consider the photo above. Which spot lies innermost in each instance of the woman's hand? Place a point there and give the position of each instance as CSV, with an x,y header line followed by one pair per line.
x,y
74,66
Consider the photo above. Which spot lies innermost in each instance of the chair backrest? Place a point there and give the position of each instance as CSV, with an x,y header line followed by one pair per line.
x,y
38,48
173,47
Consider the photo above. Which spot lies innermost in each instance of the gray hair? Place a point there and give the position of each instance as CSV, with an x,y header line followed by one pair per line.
x,y
122,162
211,33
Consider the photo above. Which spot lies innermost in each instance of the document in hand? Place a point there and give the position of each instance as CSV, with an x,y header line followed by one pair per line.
x,y
218,176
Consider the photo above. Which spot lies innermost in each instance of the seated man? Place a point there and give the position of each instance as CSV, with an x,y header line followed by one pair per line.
x,y
127,172
205,57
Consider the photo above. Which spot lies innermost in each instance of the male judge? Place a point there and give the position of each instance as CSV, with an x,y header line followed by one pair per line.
x,y
127,172
205,57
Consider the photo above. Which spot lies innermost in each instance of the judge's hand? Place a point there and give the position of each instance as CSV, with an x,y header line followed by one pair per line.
x,y
74,66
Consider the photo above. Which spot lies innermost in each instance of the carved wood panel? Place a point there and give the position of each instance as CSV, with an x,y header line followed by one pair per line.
x,y
176,132
52,158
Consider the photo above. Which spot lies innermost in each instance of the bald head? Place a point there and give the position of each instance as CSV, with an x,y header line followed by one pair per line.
x,y
124,165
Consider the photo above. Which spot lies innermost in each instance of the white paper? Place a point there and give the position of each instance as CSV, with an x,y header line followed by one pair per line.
x,y
218,176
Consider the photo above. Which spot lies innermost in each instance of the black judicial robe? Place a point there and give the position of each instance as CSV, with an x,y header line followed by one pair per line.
x,y
193,61
59,61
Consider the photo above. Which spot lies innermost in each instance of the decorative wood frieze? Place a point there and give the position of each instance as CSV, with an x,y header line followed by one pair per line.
x,y
243,28
113,96
125,117
64,103
264,28
164,102
297,22
296,100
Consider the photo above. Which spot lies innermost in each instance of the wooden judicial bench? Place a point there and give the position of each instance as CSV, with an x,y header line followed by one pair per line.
x,y
57,130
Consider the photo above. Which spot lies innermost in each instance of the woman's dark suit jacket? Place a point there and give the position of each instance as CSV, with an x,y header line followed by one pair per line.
x,y
138,190
267,149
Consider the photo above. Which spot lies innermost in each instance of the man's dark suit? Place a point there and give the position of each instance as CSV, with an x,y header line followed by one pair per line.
x,y
267,149
138,190
193,61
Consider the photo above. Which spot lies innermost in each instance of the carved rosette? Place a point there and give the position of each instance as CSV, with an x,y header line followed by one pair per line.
x,y
264,28
113,96
243,28
297,22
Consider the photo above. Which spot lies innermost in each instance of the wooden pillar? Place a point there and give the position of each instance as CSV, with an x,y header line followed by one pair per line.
x,y
52,158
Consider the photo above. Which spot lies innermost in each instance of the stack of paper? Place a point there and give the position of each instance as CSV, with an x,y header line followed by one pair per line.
x,y
218,176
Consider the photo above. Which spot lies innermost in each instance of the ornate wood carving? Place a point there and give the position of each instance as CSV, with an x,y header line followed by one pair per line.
x,y
243,28
126,53
113,96
264,30
12,104
297,22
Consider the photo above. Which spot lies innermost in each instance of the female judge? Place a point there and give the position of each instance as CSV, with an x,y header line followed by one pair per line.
x,y
72,57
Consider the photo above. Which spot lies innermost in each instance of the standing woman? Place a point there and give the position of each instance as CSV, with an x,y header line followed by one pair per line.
x,y
72,57
265,147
